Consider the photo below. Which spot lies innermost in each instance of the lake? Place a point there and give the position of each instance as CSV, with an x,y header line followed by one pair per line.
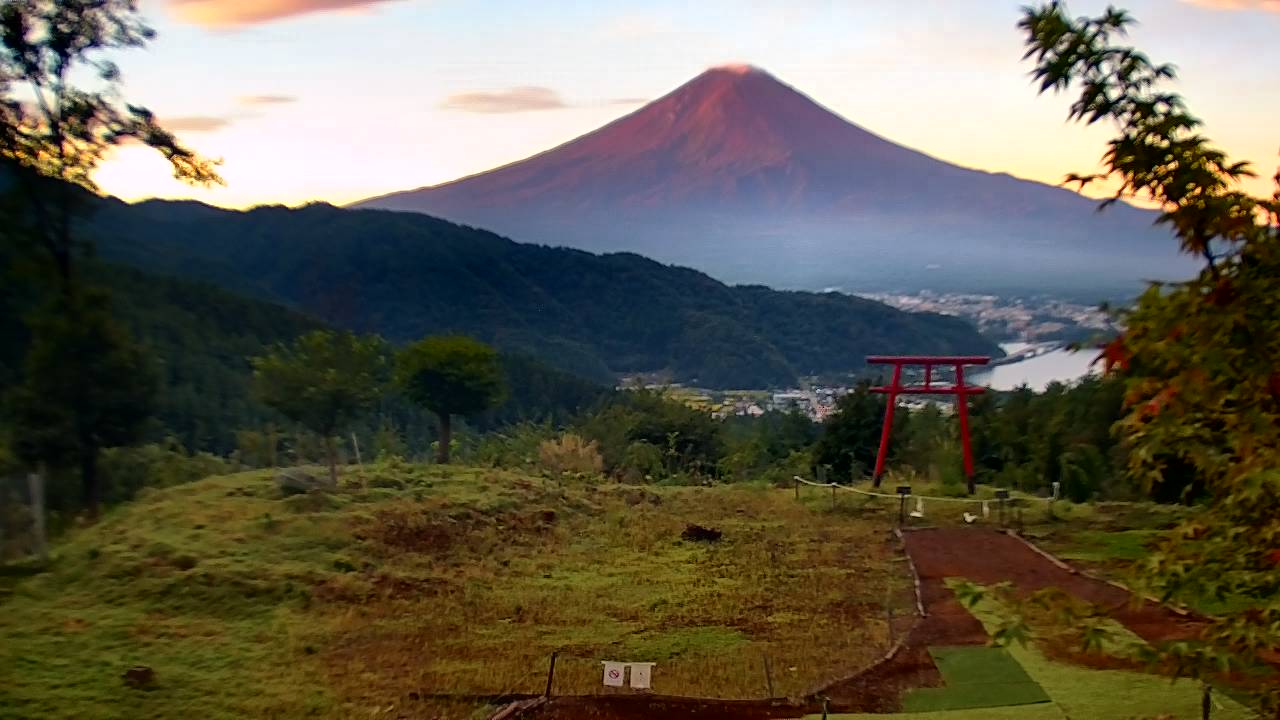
x,y
1037,372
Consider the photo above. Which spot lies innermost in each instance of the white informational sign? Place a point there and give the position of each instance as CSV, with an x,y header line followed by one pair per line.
x,y
614,673
641,675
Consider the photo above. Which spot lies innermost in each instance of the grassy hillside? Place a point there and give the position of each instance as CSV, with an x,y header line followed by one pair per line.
x,y
427,579
406,275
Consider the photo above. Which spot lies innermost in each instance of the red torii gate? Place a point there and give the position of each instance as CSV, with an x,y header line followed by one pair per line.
x,y
960,389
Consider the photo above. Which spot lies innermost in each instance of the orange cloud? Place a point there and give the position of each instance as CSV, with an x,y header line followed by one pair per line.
x,y
511,100
195,123
235,13
1267,5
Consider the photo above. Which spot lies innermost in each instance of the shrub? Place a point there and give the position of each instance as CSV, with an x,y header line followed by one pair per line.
x,y
570,454
516,446
127,470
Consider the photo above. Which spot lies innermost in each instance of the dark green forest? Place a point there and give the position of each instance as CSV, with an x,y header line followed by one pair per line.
x,y
200,338
405,276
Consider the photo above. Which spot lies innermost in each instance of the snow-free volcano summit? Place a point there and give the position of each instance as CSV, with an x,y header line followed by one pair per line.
x,y
740,175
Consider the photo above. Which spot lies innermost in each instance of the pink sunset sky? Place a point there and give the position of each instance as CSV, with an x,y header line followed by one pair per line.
x,y
338,100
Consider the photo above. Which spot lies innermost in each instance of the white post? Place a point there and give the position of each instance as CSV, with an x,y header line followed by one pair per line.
x,y
35,483
356,444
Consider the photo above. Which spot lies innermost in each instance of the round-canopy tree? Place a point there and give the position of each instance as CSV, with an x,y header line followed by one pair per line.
x,y
324,380
450,375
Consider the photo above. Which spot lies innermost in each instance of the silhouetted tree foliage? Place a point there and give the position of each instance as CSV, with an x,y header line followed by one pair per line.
x,y
54,132
86,386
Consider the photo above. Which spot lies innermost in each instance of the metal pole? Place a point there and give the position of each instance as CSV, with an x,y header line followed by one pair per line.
x,y
1206,703
883,453
551,673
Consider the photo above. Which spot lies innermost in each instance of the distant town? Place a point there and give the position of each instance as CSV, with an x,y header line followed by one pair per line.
x,y
1008,319
1038,324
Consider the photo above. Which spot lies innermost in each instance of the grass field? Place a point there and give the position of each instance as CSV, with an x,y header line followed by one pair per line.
x,y
428,579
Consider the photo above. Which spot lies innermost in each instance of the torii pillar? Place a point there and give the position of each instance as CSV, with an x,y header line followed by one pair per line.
x,y
960,389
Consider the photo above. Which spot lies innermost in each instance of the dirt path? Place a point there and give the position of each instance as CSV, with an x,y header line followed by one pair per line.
x,y
982,556
986,557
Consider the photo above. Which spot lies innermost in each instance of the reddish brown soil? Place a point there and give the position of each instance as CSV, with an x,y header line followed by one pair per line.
x,y
982,556
988,557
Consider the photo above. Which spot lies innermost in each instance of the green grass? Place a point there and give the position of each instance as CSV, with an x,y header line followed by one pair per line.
x,y
424,579
975,677
1101,546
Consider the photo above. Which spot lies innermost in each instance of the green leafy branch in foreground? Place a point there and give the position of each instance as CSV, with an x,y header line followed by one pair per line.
x,y
1196,357
1085,620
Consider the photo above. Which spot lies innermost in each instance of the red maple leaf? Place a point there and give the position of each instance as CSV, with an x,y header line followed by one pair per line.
x,y
1115,354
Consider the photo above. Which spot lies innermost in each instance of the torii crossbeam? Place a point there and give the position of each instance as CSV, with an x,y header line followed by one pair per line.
x,y
960,389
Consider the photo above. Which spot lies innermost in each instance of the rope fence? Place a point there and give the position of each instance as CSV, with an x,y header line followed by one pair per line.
x,y
1002,499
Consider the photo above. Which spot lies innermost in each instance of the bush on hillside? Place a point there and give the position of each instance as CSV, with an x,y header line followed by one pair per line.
x,y
128,470
570,454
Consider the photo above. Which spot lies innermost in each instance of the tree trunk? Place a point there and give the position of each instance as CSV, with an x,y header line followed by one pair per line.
x,y
331,453
89,481
272,442
446,435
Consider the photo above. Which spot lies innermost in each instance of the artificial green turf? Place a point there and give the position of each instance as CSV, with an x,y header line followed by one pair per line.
x,y
1041,711
975,664
975,677
969,697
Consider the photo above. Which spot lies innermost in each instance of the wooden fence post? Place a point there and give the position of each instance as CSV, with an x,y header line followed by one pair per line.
x,y
35,483
768,675
551,673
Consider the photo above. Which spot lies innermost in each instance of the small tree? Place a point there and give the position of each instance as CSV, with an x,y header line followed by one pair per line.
x,y
450,375
323,381
86,386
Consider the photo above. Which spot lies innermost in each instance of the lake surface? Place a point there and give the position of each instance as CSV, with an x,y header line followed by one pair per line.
x,y
1037,372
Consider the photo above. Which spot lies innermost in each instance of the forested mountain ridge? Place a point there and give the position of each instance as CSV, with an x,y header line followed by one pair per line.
x,y
199,339
406,275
